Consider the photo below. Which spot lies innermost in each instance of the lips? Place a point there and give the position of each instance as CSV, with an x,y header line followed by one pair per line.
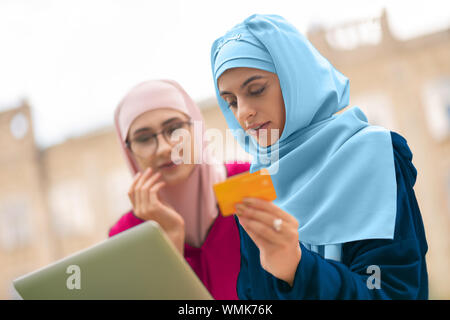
x,y
254,128
169,164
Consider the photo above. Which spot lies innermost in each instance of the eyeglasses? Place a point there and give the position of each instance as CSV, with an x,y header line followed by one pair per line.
x,y
146,144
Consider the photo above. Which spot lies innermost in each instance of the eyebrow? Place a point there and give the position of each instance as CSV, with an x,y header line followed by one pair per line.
x,y
246,82
162,125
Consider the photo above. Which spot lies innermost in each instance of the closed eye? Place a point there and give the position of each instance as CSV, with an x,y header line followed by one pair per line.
x,y
174,127
228,99
232,104
258,92
144,138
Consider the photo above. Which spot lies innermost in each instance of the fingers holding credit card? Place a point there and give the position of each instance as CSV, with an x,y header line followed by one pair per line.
x,y
233,190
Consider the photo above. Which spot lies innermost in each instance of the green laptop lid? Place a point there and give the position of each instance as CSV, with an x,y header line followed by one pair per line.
x,y
139,263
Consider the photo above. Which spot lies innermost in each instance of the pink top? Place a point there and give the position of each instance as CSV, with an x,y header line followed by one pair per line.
x,y
217,261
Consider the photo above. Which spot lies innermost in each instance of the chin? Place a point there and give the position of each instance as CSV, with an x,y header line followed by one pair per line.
x,y
175,176
172,181
268,141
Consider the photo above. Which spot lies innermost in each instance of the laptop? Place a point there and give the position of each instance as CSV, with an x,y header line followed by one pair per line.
x,y
139,263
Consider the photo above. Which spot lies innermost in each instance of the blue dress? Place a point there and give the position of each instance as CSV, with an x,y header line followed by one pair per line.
x,y
402,271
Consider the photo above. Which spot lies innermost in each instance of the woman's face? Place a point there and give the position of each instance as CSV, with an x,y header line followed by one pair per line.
x,y
256,100
156,151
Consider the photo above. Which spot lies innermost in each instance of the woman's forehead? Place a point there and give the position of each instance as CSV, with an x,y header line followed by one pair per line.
x,y
156,118
235,76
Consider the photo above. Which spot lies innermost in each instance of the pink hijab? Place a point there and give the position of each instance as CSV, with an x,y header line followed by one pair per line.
x,y
194,198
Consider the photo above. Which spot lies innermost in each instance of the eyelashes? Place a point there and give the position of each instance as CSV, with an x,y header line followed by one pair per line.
x,y
258,92
233,103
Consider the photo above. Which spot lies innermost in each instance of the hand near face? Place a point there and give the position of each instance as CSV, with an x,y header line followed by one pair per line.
x,y
280,251
147,205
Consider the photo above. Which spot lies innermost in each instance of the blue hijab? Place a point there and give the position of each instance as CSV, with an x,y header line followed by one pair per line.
x,y
334,173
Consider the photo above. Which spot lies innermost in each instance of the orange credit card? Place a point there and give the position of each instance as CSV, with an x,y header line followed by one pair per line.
x,y
244,185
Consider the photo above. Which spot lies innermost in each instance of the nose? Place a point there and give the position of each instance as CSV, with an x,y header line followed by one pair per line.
x,y
163,146
245,111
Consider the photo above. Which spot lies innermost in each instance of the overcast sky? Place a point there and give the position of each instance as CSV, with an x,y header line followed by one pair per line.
x,y
74,60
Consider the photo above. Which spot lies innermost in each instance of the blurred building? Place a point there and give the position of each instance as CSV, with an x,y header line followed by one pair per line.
x,y
57,201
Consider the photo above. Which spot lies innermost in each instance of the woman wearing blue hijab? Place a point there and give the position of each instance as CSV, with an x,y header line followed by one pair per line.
x,y
346,223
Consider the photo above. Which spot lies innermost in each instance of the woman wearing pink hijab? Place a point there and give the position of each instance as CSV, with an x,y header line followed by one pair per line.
x,y
178,193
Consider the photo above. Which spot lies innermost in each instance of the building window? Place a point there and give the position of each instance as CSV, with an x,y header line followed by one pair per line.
x,y
436,101
377,107
19,126
70,210
15,225
354,35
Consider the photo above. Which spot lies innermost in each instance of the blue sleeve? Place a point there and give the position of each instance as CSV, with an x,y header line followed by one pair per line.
x,y
243,285
401,261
